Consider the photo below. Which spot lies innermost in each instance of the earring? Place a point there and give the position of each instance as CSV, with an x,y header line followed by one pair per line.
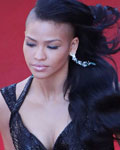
x,y
82,63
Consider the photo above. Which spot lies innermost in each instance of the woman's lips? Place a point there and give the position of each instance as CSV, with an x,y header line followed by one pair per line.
x,y
39,67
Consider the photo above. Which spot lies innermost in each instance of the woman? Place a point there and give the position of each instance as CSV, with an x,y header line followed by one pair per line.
x,y
71,101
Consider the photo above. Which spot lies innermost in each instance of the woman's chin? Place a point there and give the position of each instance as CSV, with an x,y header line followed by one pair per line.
x,y
40,75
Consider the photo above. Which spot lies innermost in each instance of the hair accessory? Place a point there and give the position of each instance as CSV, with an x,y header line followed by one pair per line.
x,y
82,63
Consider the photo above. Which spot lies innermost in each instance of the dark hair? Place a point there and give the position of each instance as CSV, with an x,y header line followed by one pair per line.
x,y
94,93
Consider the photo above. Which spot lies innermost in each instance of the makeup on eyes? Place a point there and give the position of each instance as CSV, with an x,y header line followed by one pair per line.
x,y
50,47
32,42
46,41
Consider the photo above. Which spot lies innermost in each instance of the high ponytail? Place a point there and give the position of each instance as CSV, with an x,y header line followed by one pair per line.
x,y
94,92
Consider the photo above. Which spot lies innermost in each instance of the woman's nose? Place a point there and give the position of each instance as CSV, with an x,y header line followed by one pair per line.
x,y
40,54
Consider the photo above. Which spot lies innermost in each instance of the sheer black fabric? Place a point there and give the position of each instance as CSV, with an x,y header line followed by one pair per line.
x,y
21,136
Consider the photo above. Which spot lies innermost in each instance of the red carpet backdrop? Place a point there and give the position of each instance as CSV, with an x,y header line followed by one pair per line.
x,y
12,15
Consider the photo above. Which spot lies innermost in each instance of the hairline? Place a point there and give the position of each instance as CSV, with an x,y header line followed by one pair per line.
x,y
33,17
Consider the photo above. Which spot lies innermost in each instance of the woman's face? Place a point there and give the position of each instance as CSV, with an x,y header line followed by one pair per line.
x,y
47,46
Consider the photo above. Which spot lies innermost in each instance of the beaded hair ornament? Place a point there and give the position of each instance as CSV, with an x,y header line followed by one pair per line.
x,y
82,63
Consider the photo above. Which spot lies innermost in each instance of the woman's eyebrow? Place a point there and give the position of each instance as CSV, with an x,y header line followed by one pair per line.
x,y
31,38
47,41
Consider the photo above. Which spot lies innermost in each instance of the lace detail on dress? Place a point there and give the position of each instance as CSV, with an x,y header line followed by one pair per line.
x,y
22,138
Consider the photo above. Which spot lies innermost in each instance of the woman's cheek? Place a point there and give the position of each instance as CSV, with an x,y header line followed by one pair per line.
x,y
26,56
60,59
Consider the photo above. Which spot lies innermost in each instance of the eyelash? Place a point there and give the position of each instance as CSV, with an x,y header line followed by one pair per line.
x,y
30,44
50,47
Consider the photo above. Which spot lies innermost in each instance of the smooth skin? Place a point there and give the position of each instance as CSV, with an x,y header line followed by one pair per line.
x,y
46,48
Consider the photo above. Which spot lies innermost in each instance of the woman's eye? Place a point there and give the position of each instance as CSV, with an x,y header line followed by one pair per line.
x,y
30,44
53,47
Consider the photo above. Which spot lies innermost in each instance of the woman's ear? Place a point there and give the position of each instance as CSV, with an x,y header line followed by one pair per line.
x,y
74,45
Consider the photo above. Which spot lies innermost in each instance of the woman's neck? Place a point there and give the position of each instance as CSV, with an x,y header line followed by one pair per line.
x,y
51,87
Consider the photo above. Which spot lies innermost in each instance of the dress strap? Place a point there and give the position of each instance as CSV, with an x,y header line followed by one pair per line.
x,y
22,96
9,94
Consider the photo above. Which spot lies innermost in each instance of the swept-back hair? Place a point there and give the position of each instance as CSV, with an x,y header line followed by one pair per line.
x,y
93,91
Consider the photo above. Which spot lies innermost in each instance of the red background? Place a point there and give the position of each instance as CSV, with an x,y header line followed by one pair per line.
x,y
12,18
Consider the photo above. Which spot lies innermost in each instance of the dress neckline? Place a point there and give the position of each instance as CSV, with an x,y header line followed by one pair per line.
x,y
18,104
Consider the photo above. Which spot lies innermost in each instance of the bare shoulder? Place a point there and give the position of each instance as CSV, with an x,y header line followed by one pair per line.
x,y
20,86
2,103
4,110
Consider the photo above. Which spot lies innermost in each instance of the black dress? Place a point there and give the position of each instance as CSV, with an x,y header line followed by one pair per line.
x,y
21,136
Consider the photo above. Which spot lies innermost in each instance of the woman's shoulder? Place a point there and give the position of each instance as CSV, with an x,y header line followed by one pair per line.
x,y
4,110
2,103
18,87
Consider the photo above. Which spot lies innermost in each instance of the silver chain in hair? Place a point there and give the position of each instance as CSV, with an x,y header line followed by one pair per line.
x,y
82,63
